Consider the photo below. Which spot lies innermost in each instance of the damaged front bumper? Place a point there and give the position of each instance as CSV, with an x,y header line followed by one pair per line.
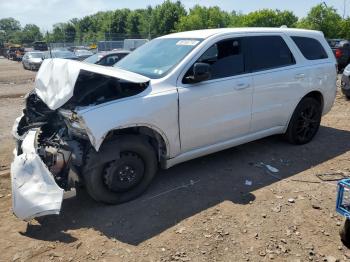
x,y
34,190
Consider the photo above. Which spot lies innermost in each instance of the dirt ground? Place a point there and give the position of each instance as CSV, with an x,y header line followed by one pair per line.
x,y
222,207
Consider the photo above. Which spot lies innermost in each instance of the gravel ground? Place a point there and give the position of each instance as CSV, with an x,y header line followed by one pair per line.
x,y
222,207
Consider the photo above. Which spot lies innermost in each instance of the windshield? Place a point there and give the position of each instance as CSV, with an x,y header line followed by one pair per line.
x,y
63,54
92,59
35,55
156,58
83,52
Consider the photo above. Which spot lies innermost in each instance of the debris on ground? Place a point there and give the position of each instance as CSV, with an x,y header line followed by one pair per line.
x,y
333,176
291,200
248,183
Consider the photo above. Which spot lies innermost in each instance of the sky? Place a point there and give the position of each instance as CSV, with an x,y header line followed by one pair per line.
x,y
45,13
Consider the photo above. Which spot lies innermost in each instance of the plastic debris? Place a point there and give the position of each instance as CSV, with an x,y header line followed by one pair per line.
x,y
248,183
272,169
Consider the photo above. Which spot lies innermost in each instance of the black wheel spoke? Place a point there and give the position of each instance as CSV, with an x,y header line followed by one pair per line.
x,y
123,174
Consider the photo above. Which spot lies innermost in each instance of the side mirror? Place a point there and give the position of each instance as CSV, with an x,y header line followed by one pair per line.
x,y
201,72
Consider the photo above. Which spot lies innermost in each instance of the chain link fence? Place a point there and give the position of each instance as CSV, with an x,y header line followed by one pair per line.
x,y
106,42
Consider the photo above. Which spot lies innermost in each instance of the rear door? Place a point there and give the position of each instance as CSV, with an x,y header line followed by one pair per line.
x,y
278,82
218,109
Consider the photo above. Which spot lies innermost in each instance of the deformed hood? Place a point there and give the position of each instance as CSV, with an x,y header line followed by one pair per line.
x,y
56,79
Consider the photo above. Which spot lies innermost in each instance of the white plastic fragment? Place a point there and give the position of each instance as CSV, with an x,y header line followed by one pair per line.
x,y
34,190
272,169
248,182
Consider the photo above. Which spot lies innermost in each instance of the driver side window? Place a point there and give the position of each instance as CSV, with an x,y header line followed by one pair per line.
x,y
226,58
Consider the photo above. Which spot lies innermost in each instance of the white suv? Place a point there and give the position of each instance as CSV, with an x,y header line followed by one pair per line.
x,y
178,97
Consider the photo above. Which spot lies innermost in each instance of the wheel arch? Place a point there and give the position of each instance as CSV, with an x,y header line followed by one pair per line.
x,y
155,136
316,94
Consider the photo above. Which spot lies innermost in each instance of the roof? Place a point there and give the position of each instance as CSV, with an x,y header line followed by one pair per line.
x,y
206,33
114,52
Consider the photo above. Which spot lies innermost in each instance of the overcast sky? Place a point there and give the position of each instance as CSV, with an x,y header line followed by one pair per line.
x,y
45,13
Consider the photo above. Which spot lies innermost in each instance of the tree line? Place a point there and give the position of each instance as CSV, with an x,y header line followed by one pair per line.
x,y
171,17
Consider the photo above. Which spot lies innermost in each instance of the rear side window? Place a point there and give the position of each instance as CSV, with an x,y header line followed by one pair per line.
x,y
268,52
310,48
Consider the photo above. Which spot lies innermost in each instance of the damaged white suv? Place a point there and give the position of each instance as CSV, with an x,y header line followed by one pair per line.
x,y
176,98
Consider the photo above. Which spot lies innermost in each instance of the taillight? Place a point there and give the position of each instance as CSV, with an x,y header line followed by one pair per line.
x,y
338,53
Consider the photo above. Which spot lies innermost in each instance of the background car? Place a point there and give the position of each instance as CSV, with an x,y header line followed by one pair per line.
x,y
107,58
82,53
19,54
40,46
32,60
345,82
15,53
64,54
341,50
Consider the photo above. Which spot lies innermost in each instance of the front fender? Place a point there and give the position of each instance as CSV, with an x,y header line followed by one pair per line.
x,y
156,111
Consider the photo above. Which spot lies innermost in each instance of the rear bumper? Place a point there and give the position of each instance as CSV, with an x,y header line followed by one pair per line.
x,y
34,190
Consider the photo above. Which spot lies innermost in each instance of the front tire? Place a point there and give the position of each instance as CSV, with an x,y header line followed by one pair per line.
x,y
305,121
125,178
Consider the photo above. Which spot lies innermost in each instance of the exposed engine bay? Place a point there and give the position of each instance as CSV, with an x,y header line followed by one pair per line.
x,y
61,141
59,136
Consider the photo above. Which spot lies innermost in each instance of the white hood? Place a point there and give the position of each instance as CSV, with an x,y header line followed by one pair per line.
x,y
55,81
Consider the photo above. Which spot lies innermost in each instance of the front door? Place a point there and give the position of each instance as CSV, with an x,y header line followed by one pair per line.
x,y
218,109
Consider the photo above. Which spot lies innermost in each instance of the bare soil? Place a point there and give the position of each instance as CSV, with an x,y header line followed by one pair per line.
x,y
222,207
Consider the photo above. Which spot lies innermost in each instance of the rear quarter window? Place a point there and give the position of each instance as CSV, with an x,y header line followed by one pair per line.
x,y
311,48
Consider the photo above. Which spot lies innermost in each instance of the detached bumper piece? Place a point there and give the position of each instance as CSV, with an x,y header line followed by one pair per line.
x,y
34,190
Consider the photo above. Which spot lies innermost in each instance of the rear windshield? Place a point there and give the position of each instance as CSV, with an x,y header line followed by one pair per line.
x,y
36,55
310,48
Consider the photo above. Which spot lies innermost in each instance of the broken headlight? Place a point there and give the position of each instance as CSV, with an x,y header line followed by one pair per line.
x,y
74,123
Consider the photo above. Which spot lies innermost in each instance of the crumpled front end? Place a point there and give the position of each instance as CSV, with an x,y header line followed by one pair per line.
x,y
52,139
46,160
34,190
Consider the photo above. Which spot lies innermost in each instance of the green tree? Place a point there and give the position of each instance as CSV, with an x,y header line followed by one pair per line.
x,y
69,32
31,33
270,18
58,33
236,19
134,22
166,16
9,25
203,17
10,30
119,21
145,21
344,31
322,18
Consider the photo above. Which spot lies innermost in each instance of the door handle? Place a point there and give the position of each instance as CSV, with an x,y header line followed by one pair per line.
x,y
241,86
300,76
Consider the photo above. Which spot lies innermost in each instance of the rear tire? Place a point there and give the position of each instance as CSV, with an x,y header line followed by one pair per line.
x,y
305,121
125,178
